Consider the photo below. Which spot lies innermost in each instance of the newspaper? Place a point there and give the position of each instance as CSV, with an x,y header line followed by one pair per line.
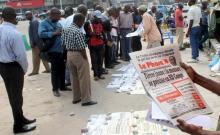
x,y
168,84
138,32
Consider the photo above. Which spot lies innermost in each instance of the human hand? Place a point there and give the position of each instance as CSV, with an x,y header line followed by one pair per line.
x,y
189,128
187,34
190,71
57,32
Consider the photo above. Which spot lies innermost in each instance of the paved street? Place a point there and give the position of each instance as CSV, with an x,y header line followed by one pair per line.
x,y
53,114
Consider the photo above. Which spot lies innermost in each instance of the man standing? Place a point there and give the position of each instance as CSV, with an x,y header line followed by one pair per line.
x,y
194,15
50,30
151,33
158,16
13,66
35,42
125,24
179,26
204,25
95,35
74,41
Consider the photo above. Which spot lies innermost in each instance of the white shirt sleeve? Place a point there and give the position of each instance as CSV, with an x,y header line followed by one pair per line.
x,y
191,14
20,52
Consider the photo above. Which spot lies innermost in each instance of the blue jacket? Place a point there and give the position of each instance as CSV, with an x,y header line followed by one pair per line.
x,y
45,30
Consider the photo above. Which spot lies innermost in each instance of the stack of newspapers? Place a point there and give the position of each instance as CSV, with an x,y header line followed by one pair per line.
x,y
122,123
127,81
173,94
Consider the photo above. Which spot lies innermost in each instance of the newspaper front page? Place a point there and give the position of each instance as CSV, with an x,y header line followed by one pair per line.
x,y
168,84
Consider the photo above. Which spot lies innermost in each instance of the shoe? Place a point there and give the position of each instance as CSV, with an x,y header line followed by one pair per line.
x,y
56,93
77,101
197,59
101,77
23,129
192,61
27,121
89,103
182,48
68,84
65,89
201,49
110,66
46,71
105,72
31,74
117,62
96,78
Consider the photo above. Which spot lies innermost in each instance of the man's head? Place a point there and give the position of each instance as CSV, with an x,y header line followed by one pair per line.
x,y
204,5
127,8
100,8
9,15
191,2
79,19
142,9
97,15
180,6
68,11
55,14
82,9
153,9
29,15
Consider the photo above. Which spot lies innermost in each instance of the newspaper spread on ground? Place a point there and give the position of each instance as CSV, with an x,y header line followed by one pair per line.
x,y
126,81
168,84
122,123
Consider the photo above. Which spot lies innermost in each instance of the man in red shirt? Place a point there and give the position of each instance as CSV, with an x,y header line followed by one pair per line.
x,y
179,26
95,36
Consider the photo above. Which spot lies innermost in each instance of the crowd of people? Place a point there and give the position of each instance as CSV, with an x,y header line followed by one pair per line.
x,y
62,38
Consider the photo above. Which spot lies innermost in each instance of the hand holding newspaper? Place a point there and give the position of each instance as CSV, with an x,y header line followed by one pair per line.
x,y
168,84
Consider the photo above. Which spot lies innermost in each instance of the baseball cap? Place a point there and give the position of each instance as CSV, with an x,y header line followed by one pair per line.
x,y
98,14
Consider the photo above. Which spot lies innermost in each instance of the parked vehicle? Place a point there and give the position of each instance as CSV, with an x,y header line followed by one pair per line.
x,y
20,17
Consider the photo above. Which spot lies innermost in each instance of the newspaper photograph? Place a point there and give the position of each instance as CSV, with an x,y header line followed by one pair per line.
x,y
168,84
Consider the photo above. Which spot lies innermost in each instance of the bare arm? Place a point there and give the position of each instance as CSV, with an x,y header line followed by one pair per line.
x,y
209,84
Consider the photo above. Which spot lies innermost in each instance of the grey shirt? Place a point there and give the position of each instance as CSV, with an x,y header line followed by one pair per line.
x,y
12,48
125,20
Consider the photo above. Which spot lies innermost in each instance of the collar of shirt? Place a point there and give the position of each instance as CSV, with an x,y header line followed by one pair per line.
x,y
74,25
9,24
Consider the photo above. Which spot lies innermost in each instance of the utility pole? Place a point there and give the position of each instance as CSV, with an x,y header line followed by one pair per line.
x,y
61,4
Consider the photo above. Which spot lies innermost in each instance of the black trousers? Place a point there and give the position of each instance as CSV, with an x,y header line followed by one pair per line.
x,y
96,54
108,56
13,76
136,43
57,70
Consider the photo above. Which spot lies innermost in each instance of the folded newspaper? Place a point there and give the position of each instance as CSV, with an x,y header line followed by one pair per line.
x,y
168,84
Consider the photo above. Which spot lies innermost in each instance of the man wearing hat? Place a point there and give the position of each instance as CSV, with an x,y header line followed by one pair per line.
x,y
94,34
151,33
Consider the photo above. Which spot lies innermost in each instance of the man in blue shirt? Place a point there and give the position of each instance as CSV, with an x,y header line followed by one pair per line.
x,y
13,66
50,29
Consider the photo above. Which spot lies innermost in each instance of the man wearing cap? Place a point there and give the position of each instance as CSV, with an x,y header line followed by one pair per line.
x,y
94,34
35,43
151,33
13,66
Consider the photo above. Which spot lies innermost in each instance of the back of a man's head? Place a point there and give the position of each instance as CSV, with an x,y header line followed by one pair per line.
x,y
78,17
82,9
8,14
68,11
54,11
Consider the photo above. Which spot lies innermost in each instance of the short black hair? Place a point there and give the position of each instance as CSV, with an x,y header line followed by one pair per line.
x,y
55,10
82,9
8,14
68,10
78,17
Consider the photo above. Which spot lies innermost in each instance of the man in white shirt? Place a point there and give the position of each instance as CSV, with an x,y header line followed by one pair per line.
x,y
13,66
194,15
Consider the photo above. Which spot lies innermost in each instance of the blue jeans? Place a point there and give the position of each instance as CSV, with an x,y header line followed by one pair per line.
x,y
125,43
194,37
